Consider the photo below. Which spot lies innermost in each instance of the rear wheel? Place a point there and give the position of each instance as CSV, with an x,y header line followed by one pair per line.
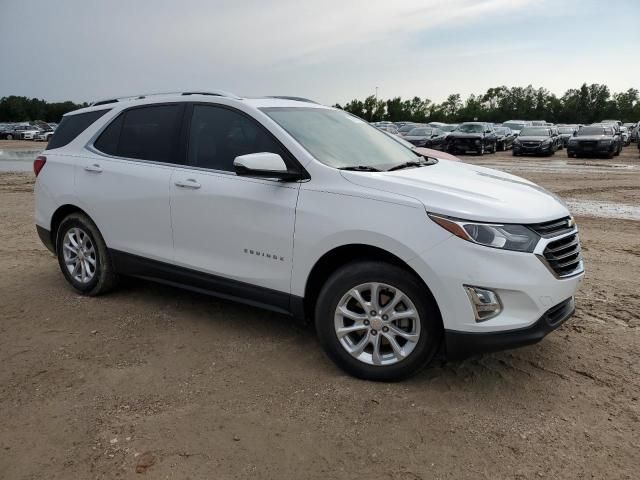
x,y
377,321
9,137
83,256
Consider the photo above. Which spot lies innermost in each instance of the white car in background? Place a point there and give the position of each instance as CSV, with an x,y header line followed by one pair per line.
x,y
29,133
311,212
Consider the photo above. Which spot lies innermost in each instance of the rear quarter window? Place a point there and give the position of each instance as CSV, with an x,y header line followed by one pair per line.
x,y
71,126
144,133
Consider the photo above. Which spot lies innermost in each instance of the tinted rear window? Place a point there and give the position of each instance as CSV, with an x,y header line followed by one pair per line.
x,y
72,126
147,133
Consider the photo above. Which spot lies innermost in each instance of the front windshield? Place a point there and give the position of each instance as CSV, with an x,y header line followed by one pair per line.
x,y
565,130
594,131
448,128
471,128
407,128
535,132
419,132
503,131
514,126
339,139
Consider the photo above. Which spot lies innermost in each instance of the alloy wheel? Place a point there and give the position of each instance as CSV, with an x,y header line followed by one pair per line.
x,y
79,254
377,324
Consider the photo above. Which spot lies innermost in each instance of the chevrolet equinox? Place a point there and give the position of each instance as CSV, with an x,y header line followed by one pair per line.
x,y
309,211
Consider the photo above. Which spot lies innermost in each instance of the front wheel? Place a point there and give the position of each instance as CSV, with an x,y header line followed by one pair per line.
x,y
83,256
377,321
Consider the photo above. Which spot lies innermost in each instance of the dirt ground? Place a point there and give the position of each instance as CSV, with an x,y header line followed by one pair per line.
x,y
155,381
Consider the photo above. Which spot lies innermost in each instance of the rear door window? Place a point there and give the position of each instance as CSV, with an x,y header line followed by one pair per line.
x,y
73,125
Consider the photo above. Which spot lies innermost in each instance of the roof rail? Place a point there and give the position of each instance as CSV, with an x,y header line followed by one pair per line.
x,y
297,99
217,93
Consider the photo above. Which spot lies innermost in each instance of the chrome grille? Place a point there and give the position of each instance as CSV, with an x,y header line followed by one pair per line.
x,y
553,227
563,255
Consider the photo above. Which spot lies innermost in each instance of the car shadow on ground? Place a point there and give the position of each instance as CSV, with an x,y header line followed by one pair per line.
x,y
481,373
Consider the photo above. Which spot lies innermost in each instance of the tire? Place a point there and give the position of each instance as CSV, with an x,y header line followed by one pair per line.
x,y
358,275
481,150
80,227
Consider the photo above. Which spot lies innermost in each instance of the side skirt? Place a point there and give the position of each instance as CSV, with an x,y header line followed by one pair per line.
x,y
181,277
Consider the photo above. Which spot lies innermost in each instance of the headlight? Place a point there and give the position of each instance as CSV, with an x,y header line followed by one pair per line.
x,y
496,235
573,141
478,142
546,142
516,141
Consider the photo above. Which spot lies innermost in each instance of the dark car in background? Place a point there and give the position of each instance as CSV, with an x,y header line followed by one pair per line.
x,y
595,141
477,137
566,133
516,126
426,137
535,141
557,141
407,127
388,128
504,138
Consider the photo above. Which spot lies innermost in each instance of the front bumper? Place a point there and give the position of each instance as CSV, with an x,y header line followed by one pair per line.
x,y
460,345
537,150
591,150
527,288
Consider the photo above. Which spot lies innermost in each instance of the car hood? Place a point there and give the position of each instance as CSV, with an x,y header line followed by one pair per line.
x,y
415,137
464,135
468,191
532,138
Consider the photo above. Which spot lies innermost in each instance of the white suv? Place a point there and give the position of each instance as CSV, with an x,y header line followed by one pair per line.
x,y
309,211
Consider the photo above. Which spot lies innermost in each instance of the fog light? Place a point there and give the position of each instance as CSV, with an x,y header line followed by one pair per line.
x,y
485,303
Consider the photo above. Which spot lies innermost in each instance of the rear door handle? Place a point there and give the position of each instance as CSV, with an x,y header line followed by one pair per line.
x,y
95,168
188,183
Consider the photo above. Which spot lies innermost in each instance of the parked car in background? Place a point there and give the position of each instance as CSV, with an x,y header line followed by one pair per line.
x,y
534,141
566,132
15,132
616,122
425,152
626,136
388,128
617,133
426,137
539,123
403,130
595,140
516,126
44,136
504,138
30,133
557,141
478,137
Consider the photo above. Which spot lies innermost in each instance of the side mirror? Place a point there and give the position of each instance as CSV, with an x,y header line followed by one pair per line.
x,y
265,165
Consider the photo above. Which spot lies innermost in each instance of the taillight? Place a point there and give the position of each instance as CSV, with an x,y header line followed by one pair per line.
x,y
38,163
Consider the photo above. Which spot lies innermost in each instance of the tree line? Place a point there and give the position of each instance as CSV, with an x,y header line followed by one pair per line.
x,y
586,104
23,109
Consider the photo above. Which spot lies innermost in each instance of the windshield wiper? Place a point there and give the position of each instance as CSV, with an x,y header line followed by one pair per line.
x,y
361,168
408,165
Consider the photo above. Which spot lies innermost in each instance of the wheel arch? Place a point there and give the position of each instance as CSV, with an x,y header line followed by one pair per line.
x,y
339,256
60,214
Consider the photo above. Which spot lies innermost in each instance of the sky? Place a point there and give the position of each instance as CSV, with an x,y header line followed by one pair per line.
x,y
329,50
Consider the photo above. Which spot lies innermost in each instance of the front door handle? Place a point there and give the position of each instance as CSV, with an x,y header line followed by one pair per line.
x,y
95,168
188,183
